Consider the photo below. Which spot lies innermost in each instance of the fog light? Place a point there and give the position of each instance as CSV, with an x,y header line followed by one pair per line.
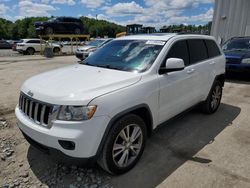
x,y
68,145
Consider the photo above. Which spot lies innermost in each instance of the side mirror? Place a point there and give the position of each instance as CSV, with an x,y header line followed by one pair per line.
x,y
172,65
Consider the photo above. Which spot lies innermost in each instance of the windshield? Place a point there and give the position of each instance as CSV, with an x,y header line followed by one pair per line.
x,y
52,20
126,55
237,44
96,43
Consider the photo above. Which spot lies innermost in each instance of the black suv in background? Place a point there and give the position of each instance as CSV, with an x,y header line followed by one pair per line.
x,y
60,25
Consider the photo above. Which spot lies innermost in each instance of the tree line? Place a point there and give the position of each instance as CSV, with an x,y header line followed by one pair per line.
x,y
24,28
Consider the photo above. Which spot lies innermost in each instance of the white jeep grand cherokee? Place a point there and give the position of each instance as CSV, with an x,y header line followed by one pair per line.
x,y
105,108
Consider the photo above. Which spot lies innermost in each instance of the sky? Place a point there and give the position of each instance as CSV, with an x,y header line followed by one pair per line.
x,y
147,12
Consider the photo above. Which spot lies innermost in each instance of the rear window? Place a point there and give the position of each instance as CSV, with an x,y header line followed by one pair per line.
x,y
197,50
212,48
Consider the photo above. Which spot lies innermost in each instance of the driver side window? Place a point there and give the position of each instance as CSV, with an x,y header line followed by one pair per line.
x,y
179,50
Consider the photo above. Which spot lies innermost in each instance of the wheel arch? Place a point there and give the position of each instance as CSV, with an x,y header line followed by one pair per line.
x,y
141,110
220,78
30,47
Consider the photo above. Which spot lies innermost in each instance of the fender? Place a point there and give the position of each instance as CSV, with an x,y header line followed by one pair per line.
x,y
117,117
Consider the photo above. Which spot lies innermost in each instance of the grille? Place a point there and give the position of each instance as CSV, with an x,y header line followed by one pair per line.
x,y
37,111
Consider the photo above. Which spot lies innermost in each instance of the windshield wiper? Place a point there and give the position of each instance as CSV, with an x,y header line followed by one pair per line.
x,y
108,67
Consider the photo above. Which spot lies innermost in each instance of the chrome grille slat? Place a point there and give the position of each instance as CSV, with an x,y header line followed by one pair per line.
x,y
35,113
22,103
30,110
41,113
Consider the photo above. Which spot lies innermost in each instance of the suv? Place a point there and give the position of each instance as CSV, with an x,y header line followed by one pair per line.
x,y
30,46
84,51
127,88
60,25
237,51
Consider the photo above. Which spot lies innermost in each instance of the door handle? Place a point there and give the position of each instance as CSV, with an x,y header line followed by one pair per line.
x,y
212,63
190,71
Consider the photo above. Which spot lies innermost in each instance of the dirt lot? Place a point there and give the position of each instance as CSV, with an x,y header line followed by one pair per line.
x,y
194,150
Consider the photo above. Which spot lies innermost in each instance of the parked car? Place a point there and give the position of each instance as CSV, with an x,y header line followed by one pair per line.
x,y
105,108
14,44
84,51
30,46
237,51
5,45
60,25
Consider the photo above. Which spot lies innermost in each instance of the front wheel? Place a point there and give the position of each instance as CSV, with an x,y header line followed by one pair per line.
x,y
213,100
124,145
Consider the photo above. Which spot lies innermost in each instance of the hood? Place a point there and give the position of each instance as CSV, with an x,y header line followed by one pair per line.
x,y
77,84
238,54
84,48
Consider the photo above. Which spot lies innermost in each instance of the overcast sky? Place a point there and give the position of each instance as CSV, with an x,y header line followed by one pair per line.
x,y
148,12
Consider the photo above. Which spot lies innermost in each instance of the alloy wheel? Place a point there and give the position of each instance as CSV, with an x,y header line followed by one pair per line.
x,y
216,96
127,145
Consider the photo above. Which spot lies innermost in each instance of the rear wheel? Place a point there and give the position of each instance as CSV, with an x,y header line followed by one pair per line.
x,y
213,100
49,31
124,145
56,50
30,51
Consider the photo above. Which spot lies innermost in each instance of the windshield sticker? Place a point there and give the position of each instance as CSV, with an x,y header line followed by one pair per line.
x,y
155,42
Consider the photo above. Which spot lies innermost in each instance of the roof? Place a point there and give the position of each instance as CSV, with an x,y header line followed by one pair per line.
x,y
154,36
162,36
134,25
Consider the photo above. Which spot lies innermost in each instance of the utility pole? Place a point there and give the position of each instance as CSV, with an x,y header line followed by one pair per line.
x,y
96,27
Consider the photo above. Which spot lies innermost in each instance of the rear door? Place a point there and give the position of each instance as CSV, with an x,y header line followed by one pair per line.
x,y
201,66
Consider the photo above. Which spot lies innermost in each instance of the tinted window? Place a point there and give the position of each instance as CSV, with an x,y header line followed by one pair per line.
x,y
179,50
34,41
212,48
198,50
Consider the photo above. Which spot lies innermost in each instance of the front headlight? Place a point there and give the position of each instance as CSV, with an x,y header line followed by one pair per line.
x,y
76,113
246,61
90,50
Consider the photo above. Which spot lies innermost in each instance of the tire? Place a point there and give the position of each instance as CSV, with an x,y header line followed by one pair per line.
x,y
30,51
77,31
125,156
56,50
49,31
213,100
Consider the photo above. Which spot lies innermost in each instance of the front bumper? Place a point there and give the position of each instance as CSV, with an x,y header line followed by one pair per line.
x,y
82,55
238,67
86,135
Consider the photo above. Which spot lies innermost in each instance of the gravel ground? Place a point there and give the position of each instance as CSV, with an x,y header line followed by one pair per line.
x,y
9,53
194,150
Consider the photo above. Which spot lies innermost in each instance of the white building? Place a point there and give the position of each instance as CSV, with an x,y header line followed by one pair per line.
x,y
231,19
